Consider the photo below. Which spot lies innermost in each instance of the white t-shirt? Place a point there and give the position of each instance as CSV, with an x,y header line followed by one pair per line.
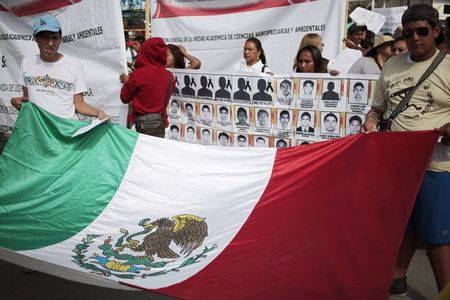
x,y
255,68
365,65
52,85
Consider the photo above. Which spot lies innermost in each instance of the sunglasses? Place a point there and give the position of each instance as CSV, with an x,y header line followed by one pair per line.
x,y
421,31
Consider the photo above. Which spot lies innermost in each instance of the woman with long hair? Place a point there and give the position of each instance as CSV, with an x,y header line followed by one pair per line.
x,y
314,39
254,58
308,60
176,55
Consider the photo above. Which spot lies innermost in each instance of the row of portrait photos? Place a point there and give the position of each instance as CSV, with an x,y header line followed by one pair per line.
x,y
280,122
350,95
308,126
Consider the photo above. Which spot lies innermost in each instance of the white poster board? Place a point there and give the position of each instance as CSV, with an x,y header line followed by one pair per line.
x,y
215,30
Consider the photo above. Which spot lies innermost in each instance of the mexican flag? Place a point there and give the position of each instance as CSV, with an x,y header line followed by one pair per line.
x,y
115,208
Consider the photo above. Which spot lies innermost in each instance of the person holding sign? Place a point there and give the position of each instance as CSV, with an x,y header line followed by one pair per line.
x,y
254,58
309,60
428,108
52,80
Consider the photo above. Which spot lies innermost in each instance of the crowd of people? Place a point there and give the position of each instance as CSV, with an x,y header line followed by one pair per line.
x,y
400,60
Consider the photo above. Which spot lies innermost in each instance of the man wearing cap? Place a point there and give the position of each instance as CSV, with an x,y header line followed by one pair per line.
x,y
345,59
428,109
52,80
373,61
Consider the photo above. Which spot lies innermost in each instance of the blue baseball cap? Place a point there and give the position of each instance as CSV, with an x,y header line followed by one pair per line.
x,y
46,23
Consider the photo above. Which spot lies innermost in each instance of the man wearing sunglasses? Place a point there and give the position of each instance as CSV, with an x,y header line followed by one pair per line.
x,y
428,108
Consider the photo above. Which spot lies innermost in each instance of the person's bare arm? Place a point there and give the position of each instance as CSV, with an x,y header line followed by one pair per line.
x,y
349,44
194,62
87,110
18,101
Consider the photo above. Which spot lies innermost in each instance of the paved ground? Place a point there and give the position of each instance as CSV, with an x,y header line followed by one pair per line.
x,y
421,283
15,284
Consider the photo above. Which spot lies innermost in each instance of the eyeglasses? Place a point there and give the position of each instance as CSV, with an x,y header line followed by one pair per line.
x,y
421,31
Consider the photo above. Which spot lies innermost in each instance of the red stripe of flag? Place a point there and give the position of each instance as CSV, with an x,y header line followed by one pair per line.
x,y
38,6
167,10
328,225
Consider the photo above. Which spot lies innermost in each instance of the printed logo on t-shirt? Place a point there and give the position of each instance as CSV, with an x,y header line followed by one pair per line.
x,y
46,82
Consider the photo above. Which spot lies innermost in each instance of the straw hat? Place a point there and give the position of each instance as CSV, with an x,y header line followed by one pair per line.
x,y
380,40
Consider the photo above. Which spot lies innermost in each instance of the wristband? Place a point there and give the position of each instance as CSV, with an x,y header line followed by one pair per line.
x,y
373,114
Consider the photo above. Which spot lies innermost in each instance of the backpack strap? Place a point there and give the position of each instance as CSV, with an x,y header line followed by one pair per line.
x,y
434,64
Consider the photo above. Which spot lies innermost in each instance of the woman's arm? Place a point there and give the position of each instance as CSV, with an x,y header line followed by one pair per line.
x,y
194,62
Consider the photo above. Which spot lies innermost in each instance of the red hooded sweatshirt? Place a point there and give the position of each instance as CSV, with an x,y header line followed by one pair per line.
x,y
148,85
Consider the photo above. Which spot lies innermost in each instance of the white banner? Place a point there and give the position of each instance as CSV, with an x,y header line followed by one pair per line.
x,y
215,30
393,17
92,33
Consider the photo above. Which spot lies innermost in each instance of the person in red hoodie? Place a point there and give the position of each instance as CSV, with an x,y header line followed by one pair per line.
x,y
149,88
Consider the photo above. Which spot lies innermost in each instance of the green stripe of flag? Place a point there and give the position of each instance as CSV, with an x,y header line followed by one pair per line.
x,y
52,185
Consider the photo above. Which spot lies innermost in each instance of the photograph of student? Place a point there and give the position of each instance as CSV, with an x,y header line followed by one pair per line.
x,y
206,137
174,107
224,115
358,95
263,118
330,94
206,113
354,125
284,120
204,91
241,141
222,92
241,94
308,89
285,90
330,124
305,121
187,90
189,110
174,132
261,141
190,135
223,139
176,91
281,143
242,117
262,96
